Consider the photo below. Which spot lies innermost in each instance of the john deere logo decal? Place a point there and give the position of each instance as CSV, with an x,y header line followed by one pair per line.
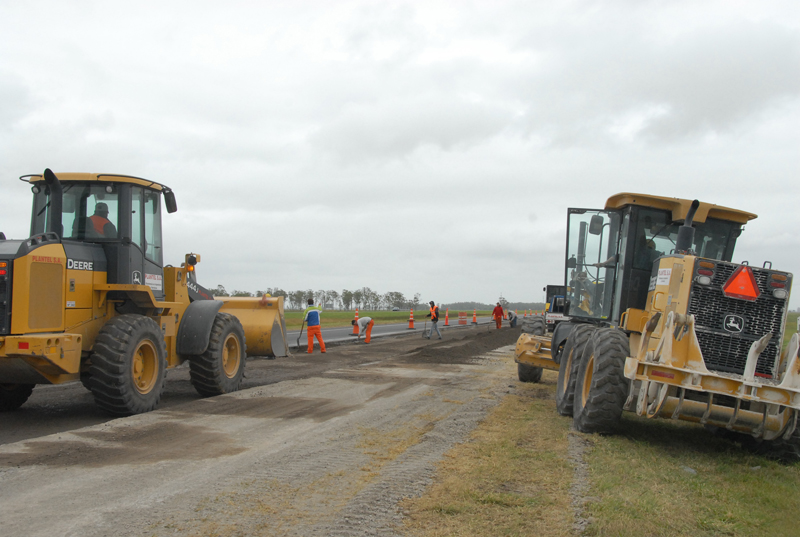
x,y
137,277
733,323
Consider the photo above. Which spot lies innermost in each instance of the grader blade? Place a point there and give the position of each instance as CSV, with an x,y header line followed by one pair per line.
x,y
263,322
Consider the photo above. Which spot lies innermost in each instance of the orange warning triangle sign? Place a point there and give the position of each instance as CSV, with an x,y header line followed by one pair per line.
x,y
742,284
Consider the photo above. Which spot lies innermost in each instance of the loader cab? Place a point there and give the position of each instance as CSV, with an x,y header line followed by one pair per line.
x,y
612,253
112,221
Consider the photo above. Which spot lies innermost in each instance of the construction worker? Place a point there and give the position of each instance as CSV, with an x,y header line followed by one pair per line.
x,y
434,315
311,317
512,318
100,222
365,324
497,315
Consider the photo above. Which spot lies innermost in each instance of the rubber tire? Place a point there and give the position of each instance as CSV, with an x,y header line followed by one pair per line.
x,y
571,358
601,387
12,396
207,370
528,373
111,379
533,325
785,451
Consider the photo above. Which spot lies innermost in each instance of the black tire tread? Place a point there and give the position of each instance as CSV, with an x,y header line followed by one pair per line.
x,y
535,327
609,388
109,377
206,372
575,344
13,396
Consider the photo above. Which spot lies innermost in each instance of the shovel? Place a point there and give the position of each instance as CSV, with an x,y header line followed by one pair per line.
x,y
300,334
425,330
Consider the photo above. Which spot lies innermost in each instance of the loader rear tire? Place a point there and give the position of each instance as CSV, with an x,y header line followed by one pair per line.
x,y
220,369
128,365
571,358
12,396
601,387
529,373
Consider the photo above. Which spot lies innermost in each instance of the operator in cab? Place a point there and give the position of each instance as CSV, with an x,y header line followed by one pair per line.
x,y
100,222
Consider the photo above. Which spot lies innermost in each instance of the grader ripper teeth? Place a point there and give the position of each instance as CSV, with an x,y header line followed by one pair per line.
x,y
87,297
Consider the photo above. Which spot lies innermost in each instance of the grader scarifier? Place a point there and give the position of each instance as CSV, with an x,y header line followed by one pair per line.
x,y
87,297
664,324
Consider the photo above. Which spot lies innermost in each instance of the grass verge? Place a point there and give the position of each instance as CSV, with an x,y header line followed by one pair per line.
x,y
511,478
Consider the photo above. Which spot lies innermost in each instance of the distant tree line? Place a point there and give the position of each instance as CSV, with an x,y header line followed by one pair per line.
x,y
364,298
367,299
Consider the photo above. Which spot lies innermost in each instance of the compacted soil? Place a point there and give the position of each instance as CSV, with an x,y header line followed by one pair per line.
x,y
321,444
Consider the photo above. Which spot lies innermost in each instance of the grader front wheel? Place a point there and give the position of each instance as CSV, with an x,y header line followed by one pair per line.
x,y
529,373
600,385
128,365
568,367
221,368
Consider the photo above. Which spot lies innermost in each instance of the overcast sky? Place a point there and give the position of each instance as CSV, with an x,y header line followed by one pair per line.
x,y
427,147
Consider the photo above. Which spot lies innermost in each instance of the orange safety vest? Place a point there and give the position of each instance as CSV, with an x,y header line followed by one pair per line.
x,y
434,317
99,223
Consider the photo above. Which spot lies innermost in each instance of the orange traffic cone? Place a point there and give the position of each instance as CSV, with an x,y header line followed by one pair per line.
x,y
355,326
447,317
475,316
411,321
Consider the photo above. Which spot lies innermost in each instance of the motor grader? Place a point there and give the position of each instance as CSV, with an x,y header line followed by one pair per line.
x,y
664,324
87,297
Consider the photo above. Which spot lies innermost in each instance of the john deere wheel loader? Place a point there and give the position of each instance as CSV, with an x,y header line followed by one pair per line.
x,y
87,297
664,324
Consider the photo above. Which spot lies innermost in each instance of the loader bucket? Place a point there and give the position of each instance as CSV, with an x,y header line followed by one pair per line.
x,y
263,322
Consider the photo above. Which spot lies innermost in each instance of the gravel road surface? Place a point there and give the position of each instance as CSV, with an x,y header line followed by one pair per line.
x,y
314,445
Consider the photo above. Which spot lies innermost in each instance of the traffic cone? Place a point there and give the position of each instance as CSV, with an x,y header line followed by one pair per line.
x,y
475,316
411,321
447,317
355,326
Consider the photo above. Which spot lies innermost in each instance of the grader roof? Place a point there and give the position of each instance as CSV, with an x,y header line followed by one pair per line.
x,y
99,177
680,207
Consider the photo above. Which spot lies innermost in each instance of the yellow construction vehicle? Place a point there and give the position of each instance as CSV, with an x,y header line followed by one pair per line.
x,y
88,297
664,324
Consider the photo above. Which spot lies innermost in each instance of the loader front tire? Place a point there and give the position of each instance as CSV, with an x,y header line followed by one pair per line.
x,y
600,386
128,365
568,367
12,396
534,325
220,369
529,373
786,451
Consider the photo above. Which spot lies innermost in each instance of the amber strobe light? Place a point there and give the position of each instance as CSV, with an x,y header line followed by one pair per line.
x,y
742,284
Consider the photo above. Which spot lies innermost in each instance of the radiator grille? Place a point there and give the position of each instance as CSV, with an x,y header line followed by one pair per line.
x,y
727,351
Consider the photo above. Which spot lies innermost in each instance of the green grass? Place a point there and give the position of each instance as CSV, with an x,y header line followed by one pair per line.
x,y
791,328
334,318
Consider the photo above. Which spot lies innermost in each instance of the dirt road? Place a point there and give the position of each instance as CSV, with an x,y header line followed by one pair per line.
x,y
315,445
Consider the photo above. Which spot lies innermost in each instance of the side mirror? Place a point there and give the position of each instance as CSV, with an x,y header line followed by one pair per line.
x,y
596,225
572,262
169,201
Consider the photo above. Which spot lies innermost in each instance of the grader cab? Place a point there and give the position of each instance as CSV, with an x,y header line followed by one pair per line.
x,y
88,297
665,324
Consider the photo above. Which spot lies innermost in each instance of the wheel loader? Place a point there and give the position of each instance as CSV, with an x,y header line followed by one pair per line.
x,y
663,323
88,297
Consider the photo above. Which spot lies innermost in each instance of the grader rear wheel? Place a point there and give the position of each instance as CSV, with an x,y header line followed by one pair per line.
x,y
128,365
220,369
568,368
528,373
600,385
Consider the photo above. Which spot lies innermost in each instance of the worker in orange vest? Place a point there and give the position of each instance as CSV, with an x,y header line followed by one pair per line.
x,y
100,222
434,315
365,324
497,315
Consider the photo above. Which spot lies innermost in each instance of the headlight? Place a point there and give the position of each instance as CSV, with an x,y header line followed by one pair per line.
x,y
704,280
780,293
